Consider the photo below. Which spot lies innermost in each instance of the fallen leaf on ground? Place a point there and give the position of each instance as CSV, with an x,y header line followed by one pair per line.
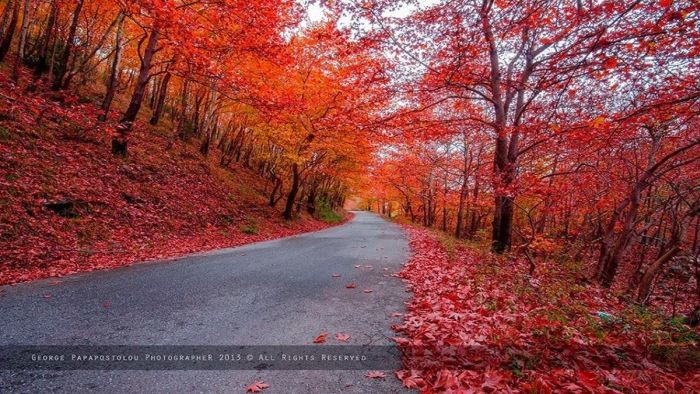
x,y
321,338
336,275
350,286
410,379
376,375
358,266
47,295
256,387
367,290
342,337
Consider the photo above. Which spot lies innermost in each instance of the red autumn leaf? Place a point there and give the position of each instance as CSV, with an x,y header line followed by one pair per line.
x,y
350,286
410,379
588,379
376,375
342,337
445,380
256,387
610,62
321,338
367,290
491,381
665,3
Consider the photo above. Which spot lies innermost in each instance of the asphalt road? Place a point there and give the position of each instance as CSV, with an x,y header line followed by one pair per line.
x,y
279,292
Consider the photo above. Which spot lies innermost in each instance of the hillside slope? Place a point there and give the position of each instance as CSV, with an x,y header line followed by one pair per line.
x,y
68,205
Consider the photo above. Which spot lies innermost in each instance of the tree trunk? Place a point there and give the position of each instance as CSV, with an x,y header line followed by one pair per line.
x,y
65,56
204,145
5,16
311,202
113,81
275,189
444,203
10,32
644,290
153,94
119,142
42,64
114,72
503,212
459,226
291,197
473,219
464,189
614,245
160,103
502,224
19,56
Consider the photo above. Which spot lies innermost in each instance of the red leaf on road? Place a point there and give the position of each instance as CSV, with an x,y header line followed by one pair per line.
x,y
256,387
342,337
321,338
376,375
367,290
350,286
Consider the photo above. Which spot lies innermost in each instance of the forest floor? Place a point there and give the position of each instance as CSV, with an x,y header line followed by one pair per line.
x,y
478,322
68,205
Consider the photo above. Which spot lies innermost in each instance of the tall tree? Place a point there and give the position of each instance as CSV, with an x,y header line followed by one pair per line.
x,y
68,46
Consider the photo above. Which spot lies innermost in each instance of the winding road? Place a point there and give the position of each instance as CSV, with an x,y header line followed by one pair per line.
x,y
279,292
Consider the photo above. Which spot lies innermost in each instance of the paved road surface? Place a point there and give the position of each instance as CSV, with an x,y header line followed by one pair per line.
x,y
278,292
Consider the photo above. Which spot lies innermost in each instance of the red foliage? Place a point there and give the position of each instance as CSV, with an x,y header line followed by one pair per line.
x,y
478,323
321,338
256,387
165,200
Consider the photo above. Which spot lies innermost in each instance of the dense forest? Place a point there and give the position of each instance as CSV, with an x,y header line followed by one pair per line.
x,y
226,74
553,129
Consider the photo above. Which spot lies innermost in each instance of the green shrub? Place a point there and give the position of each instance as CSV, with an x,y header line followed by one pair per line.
x,y
326,214
4,134
251,227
